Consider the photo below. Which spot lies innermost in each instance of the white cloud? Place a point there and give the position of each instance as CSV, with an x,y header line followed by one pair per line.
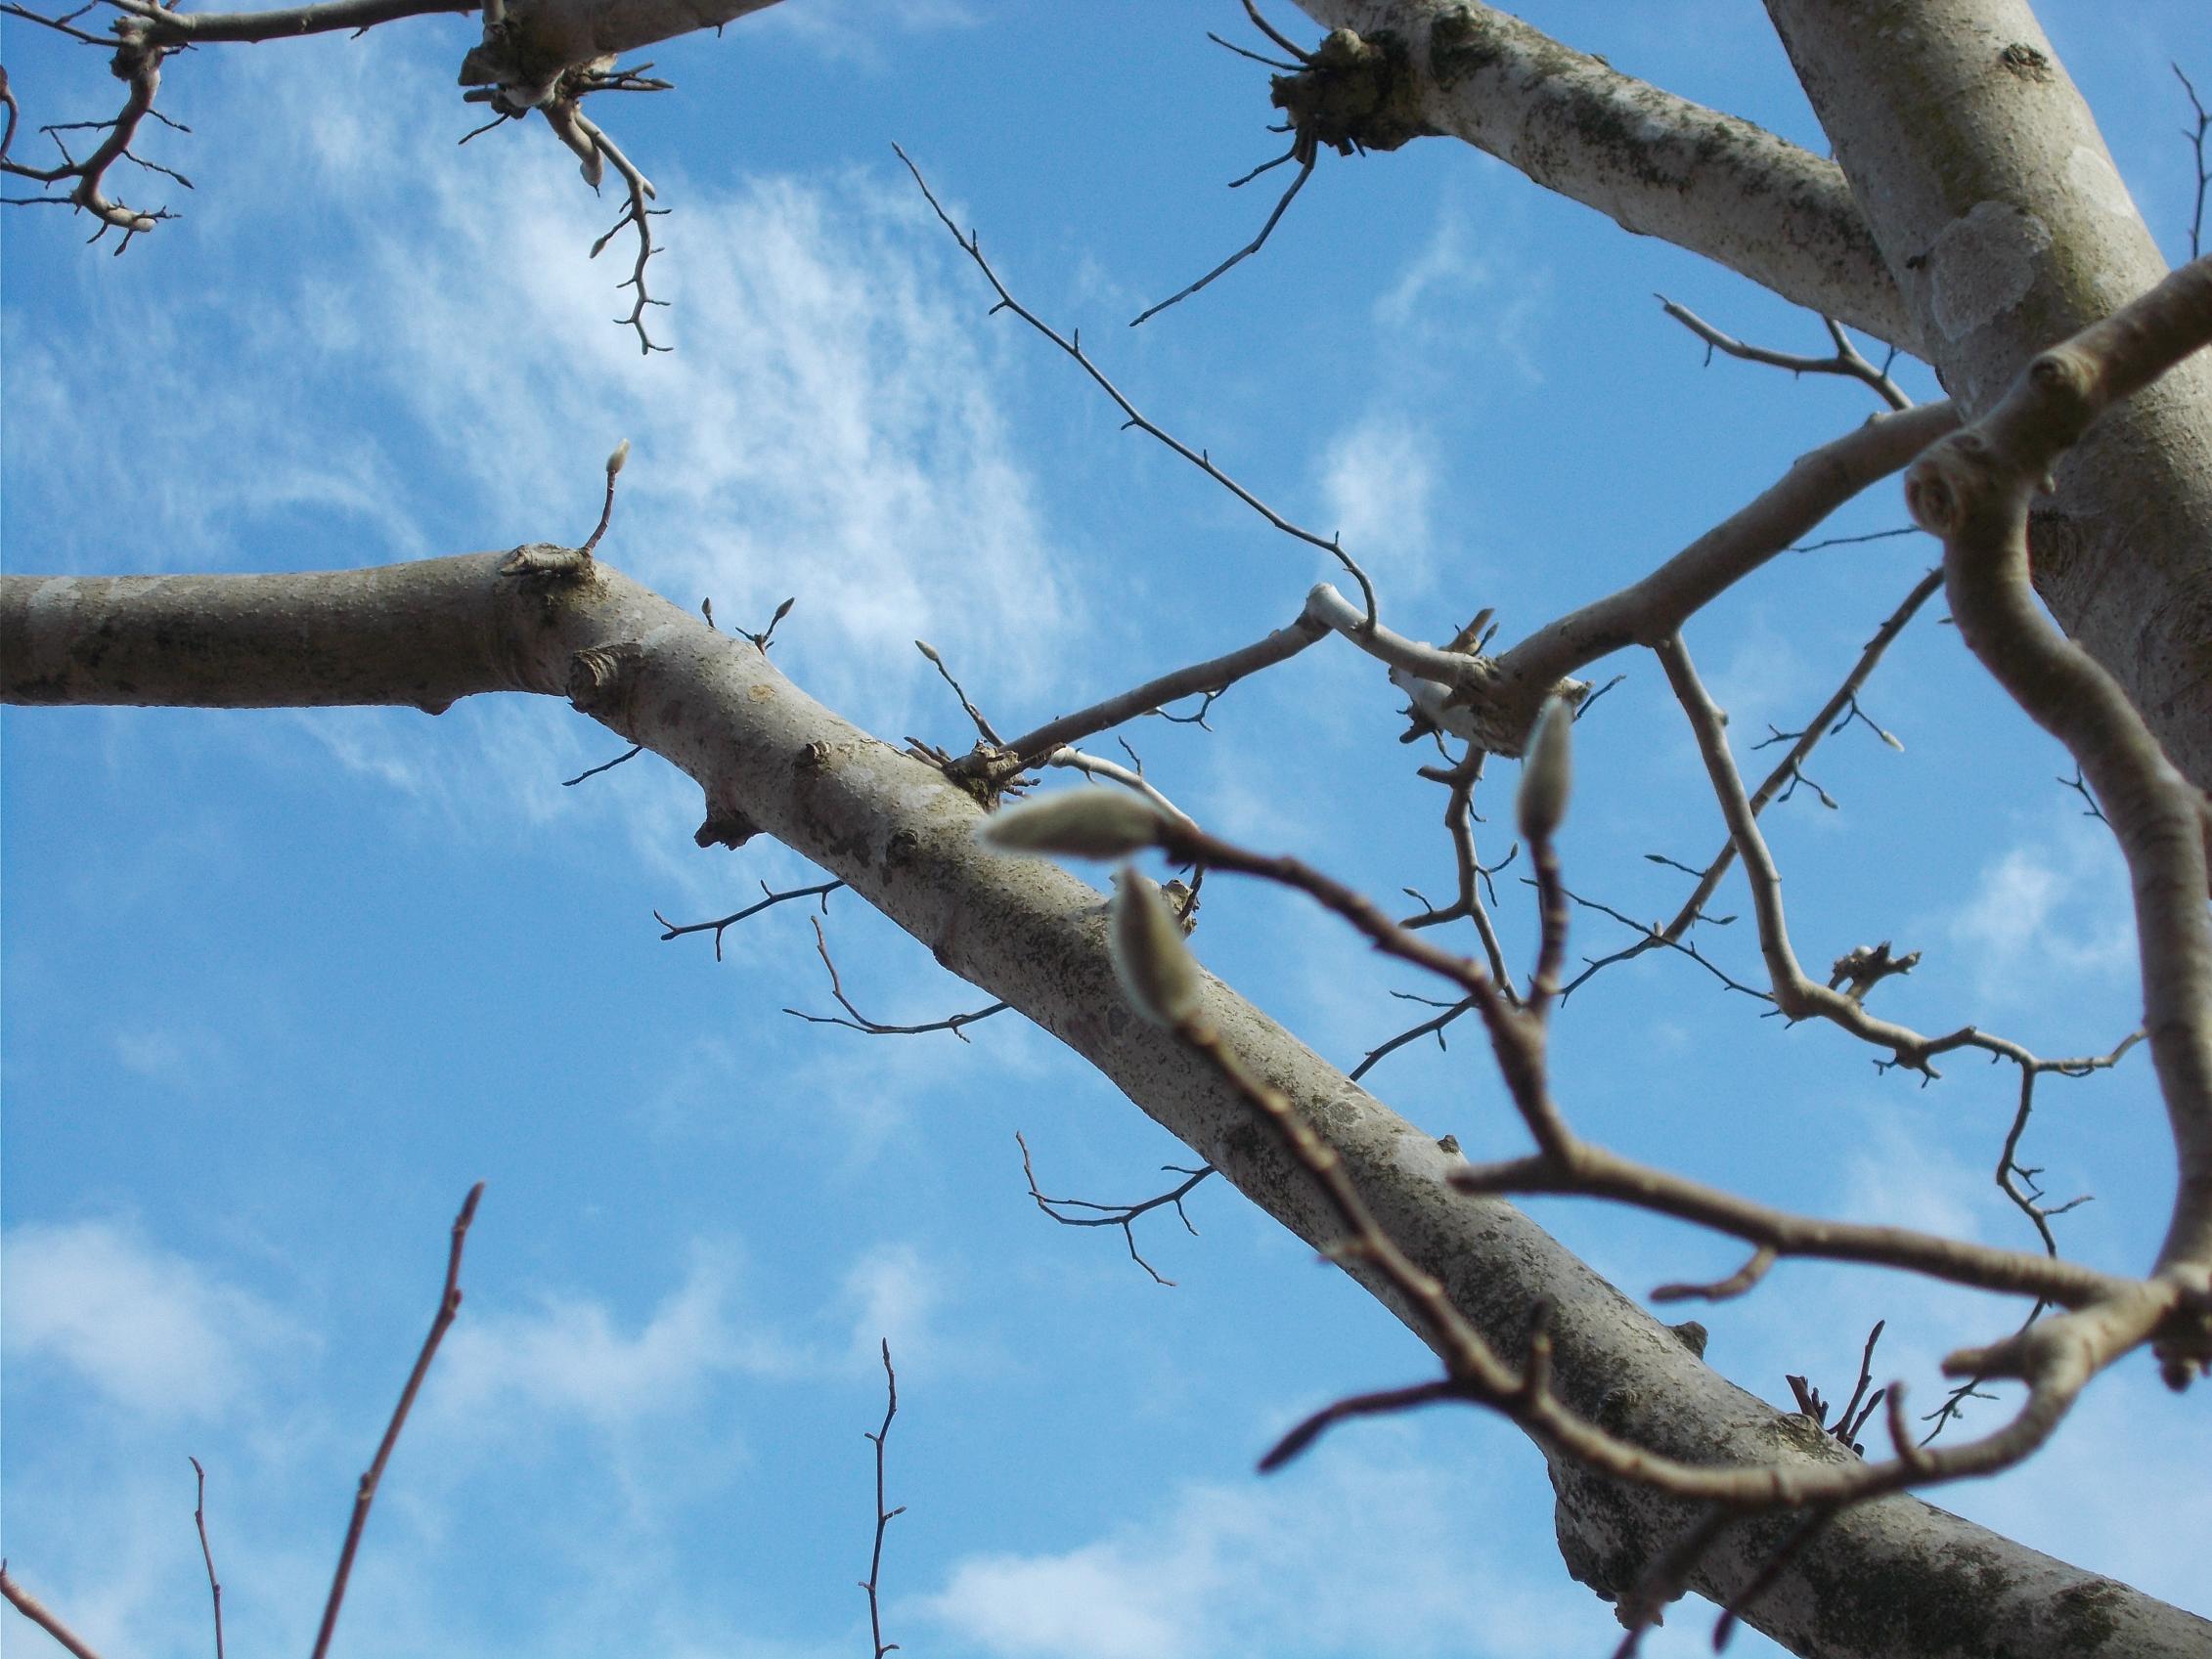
x,y
174,1057
2047,910
1358,1554
830,426
571,1358
1899,1177
1451,293
152,1330
1764,681
1378,478
855,29
894,1293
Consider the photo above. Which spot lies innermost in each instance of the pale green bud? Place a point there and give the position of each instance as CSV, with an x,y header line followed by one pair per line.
x,y
616,462
1158,973
1547,773
1081,823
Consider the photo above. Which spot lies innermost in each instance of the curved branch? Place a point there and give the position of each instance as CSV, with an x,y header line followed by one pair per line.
x,y
903,836
1655,163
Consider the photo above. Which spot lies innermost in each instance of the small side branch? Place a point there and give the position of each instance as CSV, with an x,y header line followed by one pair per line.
x,y
1282,206
1122,1217
1208,678
674,930
136,63
858,1022
637,216
883,1517
2195,133
971,245
38,1612
449,1307
1845,360
199,1520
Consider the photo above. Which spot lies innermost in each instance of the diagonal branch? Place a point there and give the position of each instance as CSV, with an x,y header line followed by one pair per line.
x,y
429,632
1657,164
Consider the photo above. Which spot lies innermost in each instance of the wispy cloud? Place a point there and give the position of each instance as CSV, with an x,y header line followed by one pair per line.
x,y
1378,478
855,29
829,427
1452,292
1360,1554
2046,912
571,1358
156,1332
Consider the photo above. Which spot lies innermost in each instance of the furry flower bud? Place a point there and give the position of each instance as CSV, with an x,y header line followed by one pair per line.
x,y
1081,823
1157,971
1547,773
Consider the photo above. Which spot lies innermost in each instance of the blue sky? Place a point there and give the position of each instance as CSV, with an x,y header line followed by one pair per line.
x,y
278,986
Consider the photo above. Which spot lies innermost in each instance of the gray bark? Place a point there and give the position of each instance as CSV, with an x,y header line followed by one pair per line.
x,y
1998,226
2006,227
1655,163
1895,1577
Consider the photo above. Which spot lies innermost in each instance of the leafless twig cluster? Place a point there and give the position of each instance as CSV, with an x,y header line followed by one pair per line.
x,y
1972,490
365,1495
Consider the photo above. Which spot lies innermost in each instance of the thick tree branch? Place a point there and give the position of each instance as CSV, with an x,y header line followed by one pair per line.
x,y
1657,164
767,755
2006,227
1974,491
1654,606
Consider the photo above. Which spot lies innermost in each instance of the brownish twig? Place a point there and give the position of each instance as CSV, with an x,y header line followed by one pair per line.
x,y
860,1022
639,215
1122,1217
138,65
677,930
1974,491
38,1612
1207,679
883,1517
1845,360
199,1520
937,661
970,244
449,1306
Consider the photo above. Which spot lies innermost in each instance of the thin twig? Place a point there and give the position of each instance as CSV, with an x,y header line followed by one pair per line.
x,y
1304,172
937,661
1119,1216
2196,137
883,1517
199,1520
1846,358
629,754
640,214
674,930
971,245
449,1305
36,1611
862,1022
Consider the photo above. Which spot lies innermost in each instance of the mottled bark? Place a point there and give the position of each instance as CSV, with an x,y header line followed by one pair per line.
x,y
1894,1577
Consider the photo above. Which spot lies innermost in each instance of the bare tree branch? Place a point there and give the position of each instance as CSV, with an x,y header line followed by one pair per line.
x,y
1124,1215
449,1307
206,1554
883,1517
38,1612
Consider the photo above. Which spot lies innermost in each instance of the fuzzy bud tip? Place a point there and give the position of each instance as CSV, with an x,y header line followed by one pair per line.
x,y
1547,773
1078,823
1156,968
